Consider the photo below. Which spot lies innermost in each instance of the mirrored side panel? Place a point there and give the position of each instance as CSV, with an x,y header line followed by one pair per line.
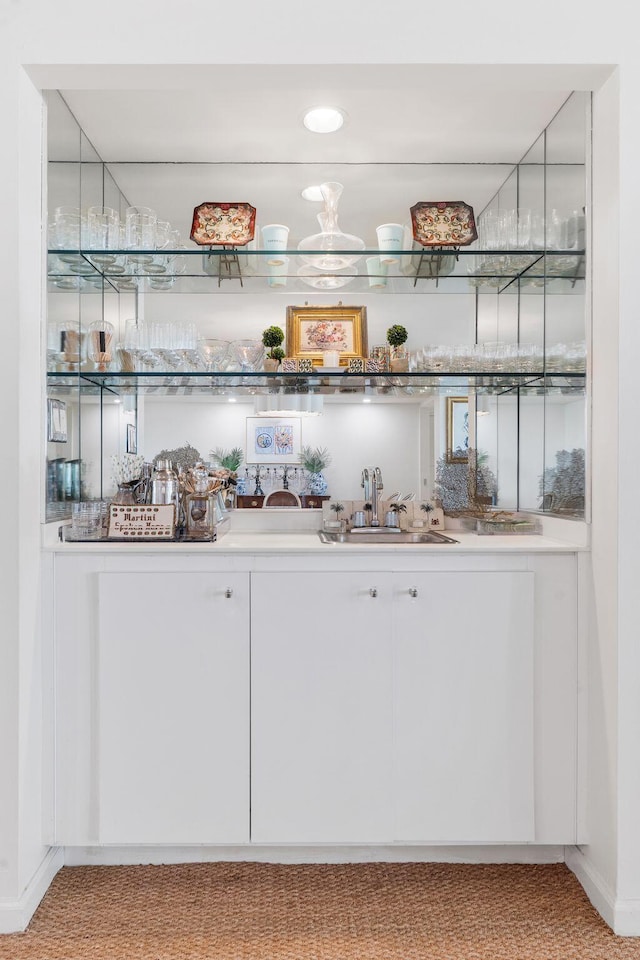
x,y
563,479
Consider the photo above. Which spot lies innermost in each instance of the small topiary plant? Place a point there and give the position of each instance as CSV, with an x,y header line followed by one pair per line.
x,y
397,335
272,337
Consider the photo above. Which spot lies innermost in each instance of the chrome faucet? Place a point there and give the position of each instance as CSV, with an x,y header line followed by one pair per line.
x,y
372,484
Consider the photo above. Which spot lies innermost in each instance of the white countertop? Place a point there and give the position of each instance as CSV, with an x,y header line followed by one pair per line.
x,y
306,542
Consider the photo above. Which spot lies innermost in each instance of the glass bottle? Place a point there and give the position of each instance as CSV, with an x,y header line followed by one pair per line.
x,y
200,476
200,516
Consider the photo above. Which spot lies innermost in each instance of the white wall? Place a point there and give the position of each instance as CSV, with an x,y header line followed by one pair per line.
x,y
9,579
628,797
564,32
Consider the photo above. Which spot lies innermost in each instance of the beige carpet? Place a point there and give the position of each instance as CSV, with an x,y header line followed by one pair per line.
x,y
379,911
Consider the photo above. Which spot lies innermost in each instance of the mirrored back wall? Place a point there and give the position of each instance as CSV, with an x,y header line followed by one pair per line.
x,y
532,435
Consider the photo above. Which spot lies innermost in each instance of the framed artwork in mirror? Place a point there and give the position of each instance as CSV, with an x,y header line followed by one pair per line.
x,y
56,421
132,438
311,331
273,440
457,430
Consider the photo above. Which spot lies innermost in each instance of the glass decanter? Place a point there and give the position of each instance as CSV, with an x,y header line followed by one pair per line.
x,y
331,238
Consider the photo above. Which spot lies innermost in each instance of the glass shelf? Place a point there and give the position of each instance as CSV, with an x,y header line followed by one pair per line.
x,y
233,383
422,270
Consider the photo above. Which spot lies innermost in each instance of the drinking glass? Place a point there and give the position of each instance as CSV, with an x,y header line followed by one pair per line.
x,y
103,233
556,231
274,240
575,357
390,237
214,353
162,241
247,354
277,272
134,343
65,232
86,520
164,343
141,232
186,344
523,228
117,265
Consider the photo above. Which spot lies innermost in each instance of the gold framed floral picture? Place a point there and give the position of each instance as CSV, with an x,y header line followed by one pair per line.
x,y
314,331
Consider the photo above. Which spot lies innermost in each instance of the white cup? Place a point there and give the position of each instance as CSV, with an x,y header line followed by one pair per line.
x,y
390,237
331,358
377,270
275,237
277,272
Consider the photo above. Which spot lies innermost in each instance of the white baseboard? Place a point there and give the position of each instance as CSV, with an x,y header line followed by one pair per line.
x,y
15,915
595,886
627,918
623,916
114,855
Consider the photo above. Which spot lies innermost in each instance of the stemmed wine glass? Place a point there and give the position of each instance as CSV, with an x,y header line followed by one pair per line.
x,y
248,354
213,353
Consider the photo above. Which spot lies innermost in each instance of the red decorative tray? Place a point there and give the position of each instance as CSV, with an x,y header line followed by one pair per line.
x,y
223,224
443,223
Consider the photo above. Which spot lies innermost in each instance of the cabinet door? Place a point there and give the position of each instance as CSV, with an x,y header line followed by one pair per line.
x,y
321,708
173,710
463,707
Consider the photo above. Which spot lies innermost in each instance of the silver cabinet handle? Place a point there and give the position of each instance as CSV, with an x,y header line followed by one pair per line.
x,y
413,591
228,593
373,592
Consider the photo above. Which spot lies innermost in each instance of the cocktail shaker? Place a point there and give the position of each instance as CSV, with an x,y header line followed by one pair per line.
x,y
164,484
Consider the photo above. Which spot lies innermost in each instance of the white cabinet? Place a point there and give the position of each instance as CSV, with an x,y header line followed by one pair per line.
x,y
173,708
152,705
436,702
378,715
321,749
463,707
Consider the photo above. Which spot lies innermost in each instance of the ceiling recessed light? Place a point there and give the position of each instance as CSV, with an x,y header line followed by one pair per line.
x,y
323,120
231,400
366,399
312,193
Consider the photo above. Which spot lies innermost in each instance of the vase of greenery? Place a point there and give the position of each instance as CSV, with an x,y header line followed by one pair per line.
x,y
315,460
272,338
396,338
228,460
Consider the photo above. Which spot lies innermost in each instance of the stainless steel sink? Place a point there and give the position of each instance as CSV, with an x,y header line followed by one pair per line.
x,y
385,535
